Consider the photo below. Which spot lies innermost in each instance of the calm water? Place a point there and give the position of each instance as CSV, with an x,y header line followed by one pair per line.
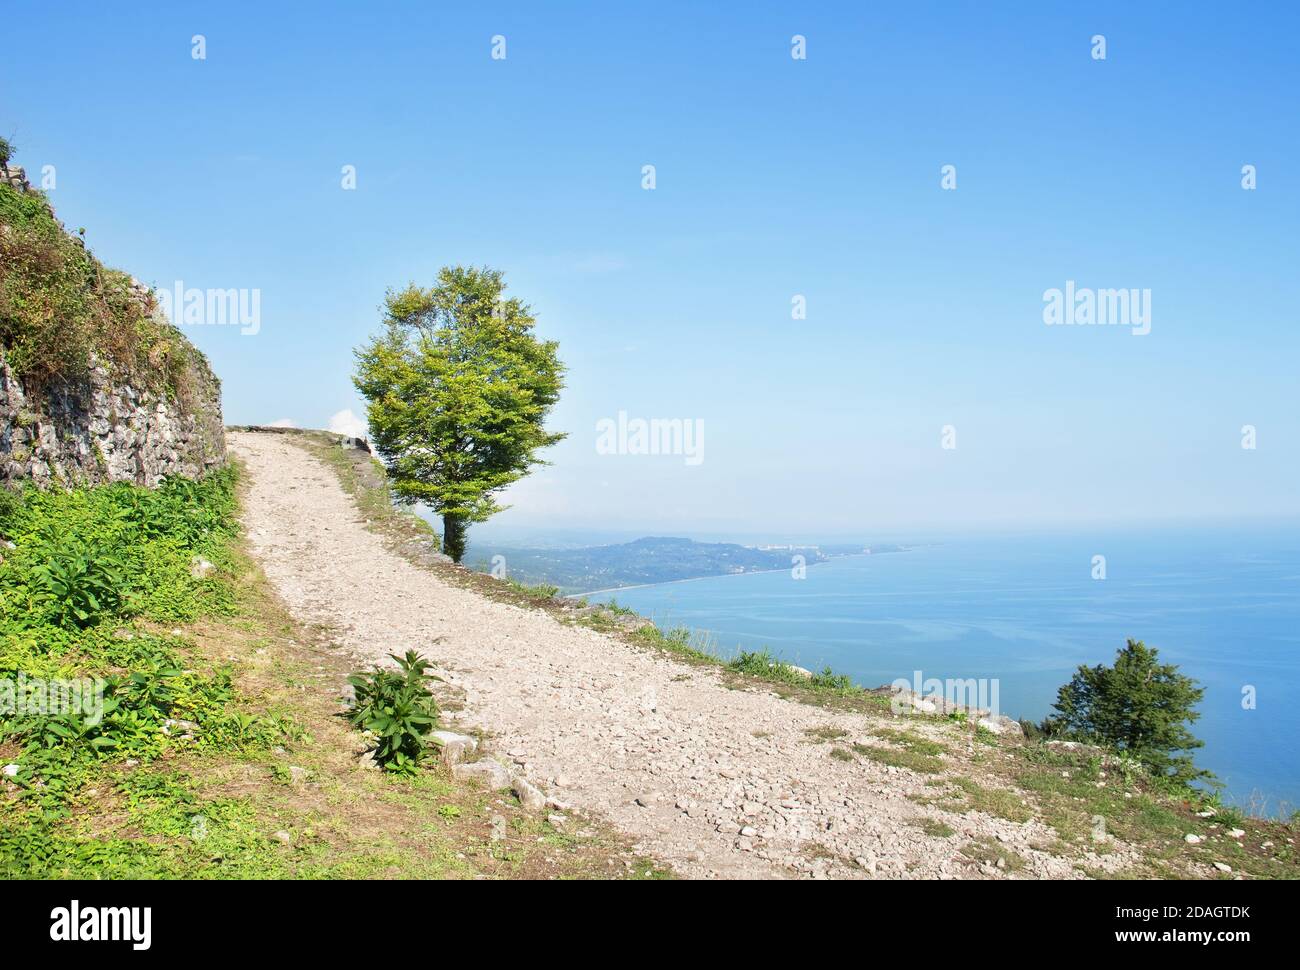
x,y
1225,607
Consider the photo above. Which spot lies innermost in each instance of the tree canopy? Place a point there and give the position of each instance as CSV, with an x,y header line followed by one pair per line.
x,y
1139,706
459,388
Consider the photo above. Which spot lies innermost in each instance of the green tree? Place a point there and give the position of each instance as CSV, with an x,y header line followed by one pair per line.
x,y
459,389
1139,706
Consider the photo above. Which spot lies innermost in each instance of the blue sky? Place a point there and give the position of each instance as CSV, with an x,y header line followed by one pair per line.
x,y
775,177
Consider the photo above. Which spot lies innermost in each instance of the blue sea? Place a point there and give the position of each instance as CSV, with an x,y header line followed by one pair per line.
x,y
1223,605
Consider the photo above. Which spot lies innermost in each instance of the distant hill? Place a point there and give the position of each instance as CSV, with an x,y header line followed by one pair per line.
x,y
648,560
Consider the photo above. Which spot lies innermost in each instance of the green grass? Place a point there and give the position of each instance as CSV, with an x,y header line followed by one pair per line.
x,y
991,853
970,796
933,827
95,576
60,308
537,591
911,760
912,741
764,665
264,781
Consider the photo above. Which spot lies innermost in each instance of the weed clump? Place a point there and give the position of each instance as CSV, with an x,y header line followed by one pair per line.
x,y
398,708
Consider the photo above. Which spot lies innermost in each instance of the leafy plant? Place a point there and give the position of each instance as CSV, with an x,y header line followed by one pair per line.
x,y
10,503
398,708
78,585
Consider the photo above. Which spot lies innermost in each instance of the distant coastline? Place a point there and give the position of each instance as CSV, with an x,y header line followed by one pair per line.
x,y
653,560
696,579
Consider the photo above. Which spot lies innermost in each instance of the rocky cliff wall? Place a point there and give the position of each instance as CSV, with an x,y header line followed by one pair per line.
x,y
95,431
96,426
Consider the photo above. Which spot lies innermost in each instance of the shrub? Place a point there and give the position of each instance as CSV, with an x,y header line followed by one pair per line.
x,y
60,307
398,707
1139,707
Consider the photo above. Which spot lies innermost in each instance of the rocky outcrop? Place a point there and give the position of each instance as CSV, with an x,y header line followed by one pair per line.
x,y
15,176
96,430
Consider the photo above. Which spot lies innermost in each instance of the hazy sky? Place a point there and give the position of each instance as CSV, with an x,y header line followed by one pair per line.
x,y
775,177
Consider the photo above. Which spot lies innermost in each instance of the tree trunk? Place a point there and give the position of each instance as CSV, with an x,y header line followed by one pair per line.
x,y
453,537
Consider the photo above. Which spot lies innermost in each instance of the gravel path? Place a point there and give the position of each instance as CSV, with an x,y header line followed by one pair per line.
x,y
714,781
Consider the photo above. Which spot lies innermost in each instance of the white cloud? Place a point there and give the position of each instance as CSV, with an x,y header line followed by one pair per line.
x,y
283,423
347,423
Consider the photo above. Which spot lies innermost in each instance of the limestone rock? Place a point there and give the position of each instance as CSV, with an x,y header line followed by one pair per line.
x,y
454,746
489,773
530,796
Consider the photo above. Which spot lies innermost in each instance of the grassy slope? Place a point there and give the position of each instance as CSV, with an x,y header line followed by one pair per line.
x,y
270,783
970,770
60,307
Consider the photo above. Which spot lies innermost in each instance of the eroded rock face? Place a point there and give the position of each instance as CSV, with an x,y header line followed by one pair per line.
x,y
98,430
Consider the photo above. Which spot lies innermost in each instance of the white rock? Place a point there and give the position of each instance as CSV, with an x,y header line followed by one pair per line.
x,y
487,772
10,771
1223,867
530,796
454,746
1236,833
1191,839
